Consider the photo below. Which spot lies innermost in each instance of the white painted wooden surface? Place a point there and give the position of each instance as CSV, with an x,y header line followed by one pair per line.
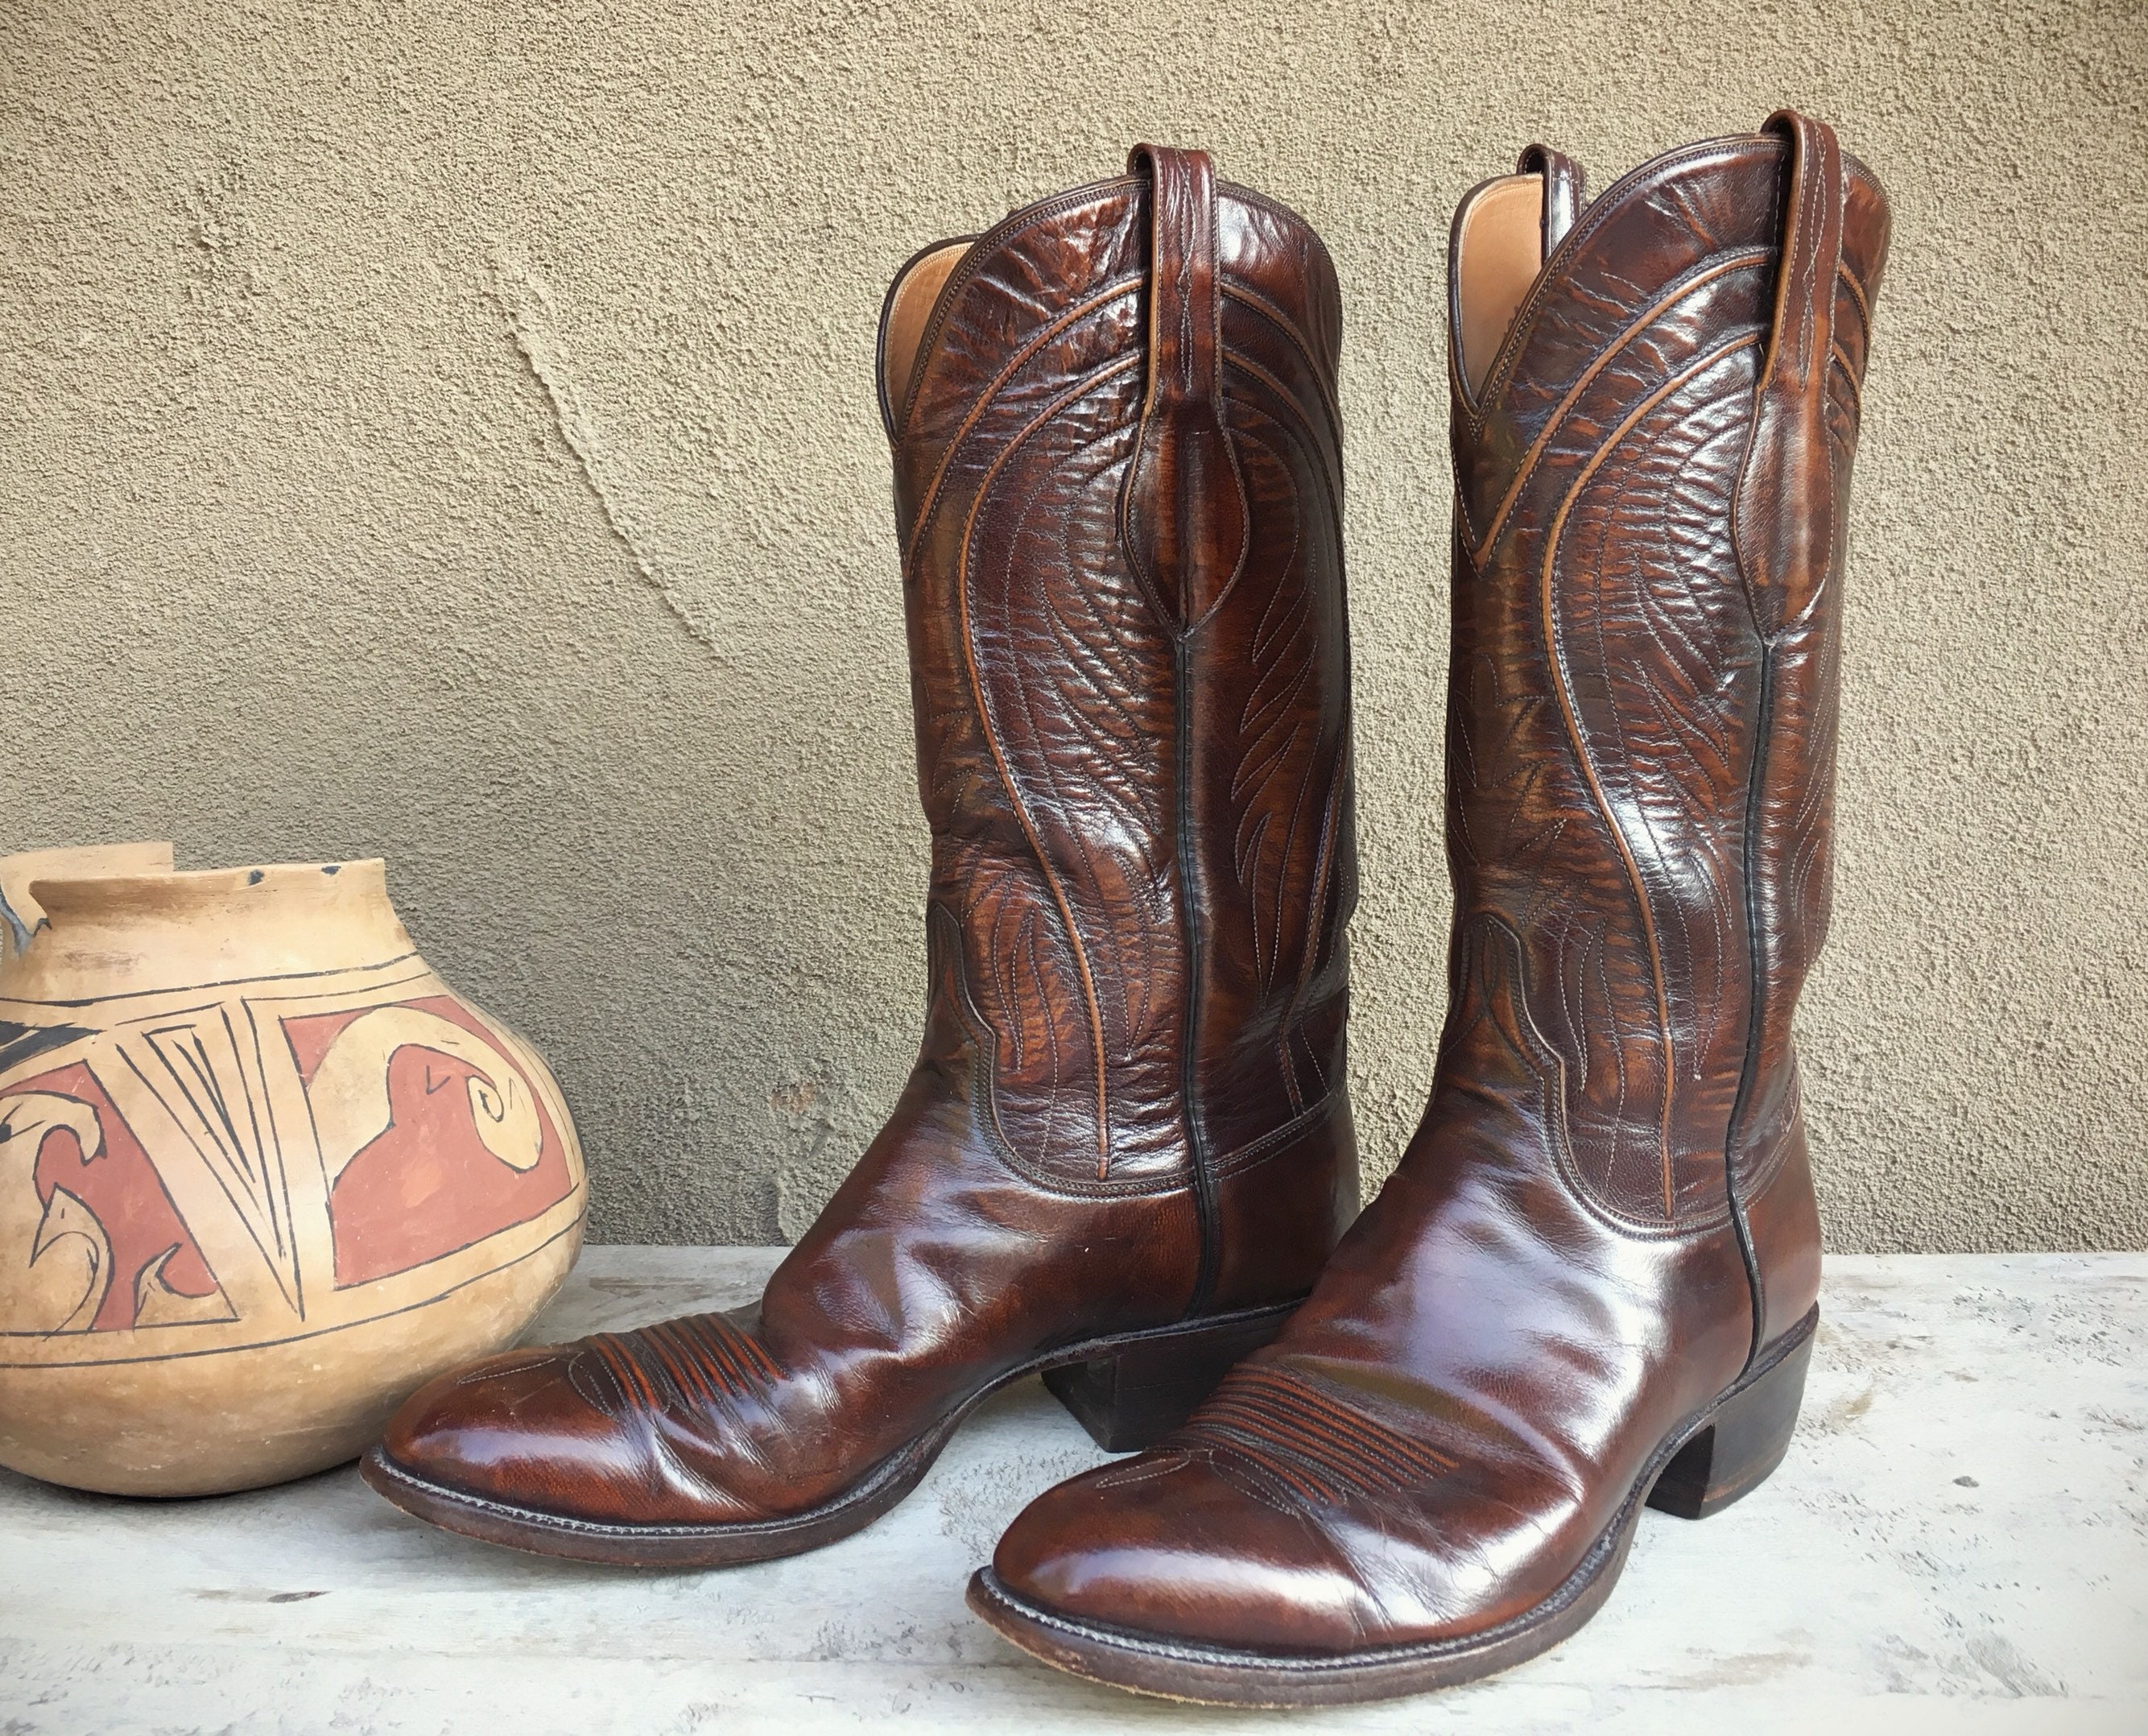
x,y
1959,1543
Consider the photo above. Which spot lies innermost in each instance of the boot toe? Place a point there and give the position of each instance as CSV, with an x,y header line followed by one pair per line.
x,y
1210,1546
1166,1544
514,1428
544,1430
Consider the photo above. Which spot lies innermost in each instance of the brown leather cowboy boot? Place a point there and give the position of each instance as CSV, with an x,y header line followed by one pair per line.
x,y
1592,1284
1126,1150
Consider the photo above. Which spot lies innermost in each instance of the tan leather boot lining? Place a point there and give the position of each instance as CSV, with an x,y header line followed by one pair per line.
x,y
907,312
1499,253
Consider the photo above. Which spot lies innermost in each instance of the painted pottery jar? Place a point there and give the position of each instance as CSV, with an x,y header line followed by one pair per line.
x,y
262,1171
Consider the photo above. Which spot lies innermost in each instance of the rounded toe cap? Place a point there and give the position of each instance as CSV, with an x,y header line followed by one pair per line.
x,y
1167,1545
516,1428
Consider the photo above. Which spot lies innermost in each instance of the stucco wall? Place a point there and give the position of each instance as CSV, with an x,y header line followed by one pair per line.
x,y
453,439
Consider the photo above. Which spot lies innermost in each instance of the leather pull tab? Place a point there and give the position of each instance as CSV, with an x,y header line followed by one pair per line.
x,y
1183,516
1563,178
1788,515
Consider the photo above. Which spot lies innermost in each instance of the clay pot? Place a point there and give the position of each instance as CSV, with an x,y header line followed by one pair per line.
x,y
262,1172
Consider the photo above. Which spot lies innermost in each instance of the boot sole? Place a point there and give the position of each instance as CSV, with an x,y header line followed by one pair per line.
x,y
1127,1389
1713,1459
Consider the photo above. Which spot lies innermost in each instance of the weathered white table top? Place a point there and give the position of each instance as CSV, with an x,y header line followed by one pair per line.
x,y
1959,1543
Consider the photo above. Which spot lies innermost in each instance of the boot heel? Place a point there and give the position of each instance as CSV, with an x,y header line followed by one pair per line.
x,y
1146,1386
1743,1441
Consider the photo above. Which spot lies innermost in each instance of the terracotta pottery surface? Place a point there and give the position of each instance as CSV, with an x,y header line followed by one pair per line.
x,y
262,1171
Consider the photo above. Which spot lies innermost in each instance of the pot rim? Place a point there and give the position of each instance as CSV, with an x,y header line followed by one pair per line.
x,y
86,891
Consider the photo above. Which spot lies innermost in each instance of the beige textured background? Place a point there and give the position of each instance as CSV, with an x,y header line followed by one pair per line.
x,y
452,438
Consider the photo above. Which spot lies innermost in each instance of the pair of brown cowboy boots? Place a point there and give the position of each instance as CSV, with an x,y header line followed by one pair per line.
x,y
1414,1453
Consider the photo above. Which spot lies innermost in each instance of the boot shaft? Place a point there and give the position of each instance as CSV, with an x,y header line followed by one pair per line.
x,y
1118,486
1652,470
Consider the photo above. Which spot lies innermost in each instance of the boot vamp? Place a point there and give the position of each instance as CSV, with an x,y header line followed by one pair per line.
x,y
1227,1539
932,1274
600,1430
1460,1413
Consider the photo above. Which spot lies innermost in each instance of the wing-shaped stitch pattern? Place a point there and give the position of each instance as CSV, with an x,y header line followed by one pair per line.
x,y
1321,1450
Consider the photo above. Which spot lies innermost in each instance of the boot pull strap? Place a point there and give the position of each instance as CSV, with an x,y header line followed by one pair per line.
x,y
1183,516
1786,514
1563,178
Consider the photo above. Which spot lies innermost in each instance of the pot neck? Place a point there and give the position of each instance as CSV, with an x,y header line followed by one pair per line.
x,y
109,934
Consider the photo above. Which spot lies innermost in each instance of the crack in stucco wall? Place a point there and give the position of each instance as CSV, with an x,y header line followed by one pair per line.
x,y
526,301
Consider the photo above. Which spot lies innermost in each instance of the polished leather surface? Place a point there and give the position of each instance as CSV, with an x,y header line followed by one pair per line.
x,y
1119,487
1606,1214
